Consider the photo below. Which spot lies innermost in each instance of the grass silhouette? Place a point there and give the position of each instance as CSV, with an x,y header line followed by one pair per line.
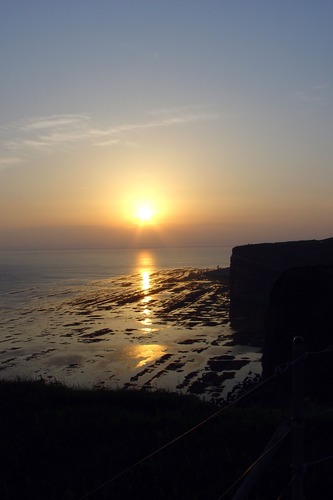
x,y
62,443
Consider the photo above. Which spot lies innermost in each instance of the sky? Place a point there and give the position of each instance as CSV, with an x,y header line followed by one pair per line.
x,y
213,119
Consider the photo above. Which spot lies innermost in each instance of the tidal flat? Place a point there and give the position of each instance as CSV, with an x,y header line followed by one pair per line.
x,y
162,330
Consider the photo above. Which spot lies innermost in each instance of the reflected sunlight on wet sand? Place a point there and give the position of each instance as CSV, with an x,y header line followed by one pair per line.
x,y
166,329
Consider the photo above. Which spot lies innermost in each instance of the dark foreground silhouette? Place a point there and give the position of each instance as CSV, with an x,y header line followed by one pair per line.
x,y
61,443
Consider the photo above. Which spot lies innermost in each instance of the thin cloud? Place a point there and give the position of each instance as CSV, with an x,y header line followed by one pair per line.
x,y
53,132
48,132
55,121
165,122
35,143
8,161
193,109
109,142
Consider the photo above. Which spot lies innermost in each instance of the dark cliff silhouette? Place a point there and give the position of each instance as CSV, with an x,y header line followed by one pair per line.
x,y
282,290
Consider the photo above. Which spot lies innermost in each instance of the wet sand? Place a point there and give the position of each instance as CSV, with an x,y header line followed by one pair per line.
x,y
169,329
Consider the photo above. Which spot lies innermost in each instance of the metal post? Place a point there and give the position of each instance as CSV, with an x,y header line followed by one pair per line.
x,y
298,418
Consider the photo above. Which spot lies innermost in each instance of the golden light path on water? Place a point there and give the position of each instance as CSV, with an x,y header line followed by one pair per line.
x,y
145,264
143,329
146,353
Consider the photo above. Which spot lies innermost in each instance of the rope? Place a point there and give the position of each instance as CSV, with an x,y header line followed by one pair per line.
x,y
280,369
253,465
283,367
309,464
280,497
314,415
192,429
328,350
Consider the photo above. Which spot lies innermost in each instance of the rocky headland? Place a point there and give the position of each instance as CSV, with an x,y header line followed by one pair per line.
x,y
279,291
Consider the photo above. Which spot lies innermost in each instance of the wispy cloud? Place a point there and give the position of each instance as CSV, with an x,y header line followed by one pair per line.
x,y
193,109
55,121
108,142
46,133
166,122
55,132
8,161
162,122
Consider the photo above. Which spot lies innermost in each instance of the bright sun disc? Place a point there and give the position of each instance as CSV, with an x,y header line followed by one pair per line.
x,y
145,213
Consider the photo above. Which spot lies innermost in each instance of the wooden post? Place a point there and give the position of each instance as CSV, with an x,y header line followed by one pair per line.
x,y
298,418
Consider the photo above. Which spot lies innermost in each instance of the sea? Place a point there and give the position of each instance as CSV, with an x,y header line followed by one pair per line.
x,y
133,318
25,274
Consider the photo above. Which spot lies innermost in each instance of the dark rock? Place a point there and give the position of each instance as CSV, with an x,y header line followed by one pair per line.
x,y
254,270
301,304
280,291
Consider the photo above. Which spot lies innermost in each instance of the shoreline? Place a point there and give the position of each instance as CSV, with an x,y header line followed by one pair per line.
x,y
163,330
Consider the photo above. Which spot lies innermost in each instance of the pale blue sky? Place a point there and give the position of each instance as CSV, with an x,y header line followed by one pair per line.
x,y
217,113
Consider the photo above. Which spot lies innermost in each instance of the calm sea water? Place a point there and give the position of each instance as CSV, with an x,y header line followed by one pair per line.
x,y
24,272
47,330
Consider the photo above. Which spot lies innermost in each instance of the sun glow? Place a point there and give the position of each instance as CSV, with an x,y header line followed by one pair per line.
x,y
145,214
146,210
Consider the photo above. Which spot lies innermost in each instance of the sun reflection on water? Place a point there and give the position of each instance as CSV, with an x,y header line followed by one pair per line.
x,y
145,353
145,276
145,264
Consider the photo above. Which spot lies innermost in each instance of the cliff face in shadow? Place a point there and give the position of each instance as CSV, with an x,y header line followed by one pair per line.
x,y
301,304
255,269
283,290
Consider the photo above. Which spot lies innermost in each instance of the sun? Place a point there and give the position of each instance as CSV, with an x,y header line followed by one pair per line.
x,y
147,211
145,214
